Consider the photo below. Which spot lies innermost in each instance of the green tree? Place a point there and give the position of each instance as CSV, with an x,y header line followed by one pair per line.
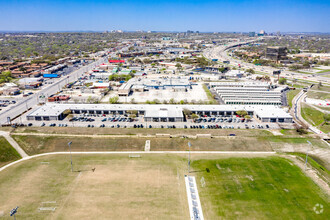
x,y
194,116
187,112
247,117
241,113
156,101
202,62
178,66
5,76
326,117
293,67
113,100
306,64
250,71
282,81
23,69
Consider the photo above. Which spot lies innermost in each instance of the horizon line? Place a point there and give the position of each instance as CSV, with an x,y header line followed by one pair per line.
x,y
143,31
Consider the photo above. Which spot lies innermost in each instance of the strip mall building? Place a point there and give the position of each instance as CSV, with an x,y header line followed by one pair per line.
x,y
163,113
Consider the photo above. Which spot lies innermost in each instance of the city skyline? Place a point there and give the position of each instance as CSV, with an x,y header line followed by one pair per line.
x,y
171,16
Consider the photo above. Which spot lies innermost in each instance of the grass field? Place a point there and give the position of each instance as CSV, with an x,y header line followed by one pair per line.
x,y
314,117
327,108
257,188
317,164
291,132
290,95
318,95
322,88
139,131
7,152
324,71
42,144
152,187
209,95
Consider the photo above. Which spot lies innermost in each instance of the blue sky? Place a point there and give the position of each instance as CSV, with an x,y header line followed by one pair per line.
x,y
170,15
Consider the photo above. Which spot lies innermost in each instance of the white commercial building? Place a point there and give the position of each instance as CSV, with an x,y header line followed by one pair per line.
x,y
163,113
248,93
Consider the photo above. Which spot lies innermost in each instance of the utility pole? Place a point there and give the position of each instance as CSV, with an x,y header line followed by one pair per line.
x,y
189,145
70,155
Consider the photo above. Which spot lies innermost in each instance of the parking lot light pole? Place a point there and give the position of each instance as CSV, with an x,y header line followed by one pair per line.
x,y
70,155
189,145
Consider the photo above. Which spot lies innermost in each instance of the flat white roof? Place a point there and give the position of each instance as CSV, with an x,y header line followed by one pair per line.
x,y
240,84
54,109
172,112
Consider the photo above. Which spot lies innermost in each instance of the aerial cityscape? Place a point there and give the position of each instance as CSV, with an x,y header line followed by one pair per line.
x,y
164,109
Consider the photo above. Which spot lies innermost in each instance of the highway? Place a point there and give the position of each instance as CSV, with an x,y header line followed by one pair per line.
x,y
220,53
31,101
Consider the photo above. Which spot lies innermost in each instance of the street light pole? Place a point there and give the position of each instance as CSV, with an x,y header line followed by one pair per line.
x,y
70,155
189,145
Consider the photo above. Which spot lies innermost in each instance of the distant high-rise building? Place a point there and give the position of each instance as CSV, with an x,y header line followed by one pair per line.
x,y
252,34
262,33
276,53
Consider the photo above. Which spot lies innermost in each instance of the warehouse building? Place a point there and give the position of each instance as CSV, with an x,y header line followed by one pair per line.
x,y
248,93
160,113
259,85
145,84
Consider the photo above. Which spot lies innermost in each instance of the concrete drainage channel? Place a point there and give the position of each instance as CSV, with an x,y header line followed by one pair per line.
x,y
195,208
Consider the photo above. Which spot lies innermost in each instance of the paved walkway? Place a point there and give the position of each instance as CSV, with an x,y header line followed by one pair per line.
x,y
14,144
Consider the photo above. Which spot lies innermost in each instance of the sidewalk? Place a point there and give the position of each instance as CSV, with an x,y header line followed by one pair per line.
x,y
14,144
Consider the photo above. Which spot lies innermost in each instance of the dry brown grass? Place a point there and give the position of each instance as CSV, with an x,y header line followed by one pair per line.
x,y
41,144
151,187
142,131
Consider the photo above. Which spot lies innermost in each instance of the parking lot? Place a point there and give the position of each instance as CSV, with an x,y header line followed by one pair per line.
x,y
124,121
4,103
194,95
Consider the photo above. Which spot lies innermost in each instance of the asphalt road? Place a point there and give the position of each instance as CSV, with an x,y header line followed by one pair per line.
x,y
50,89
